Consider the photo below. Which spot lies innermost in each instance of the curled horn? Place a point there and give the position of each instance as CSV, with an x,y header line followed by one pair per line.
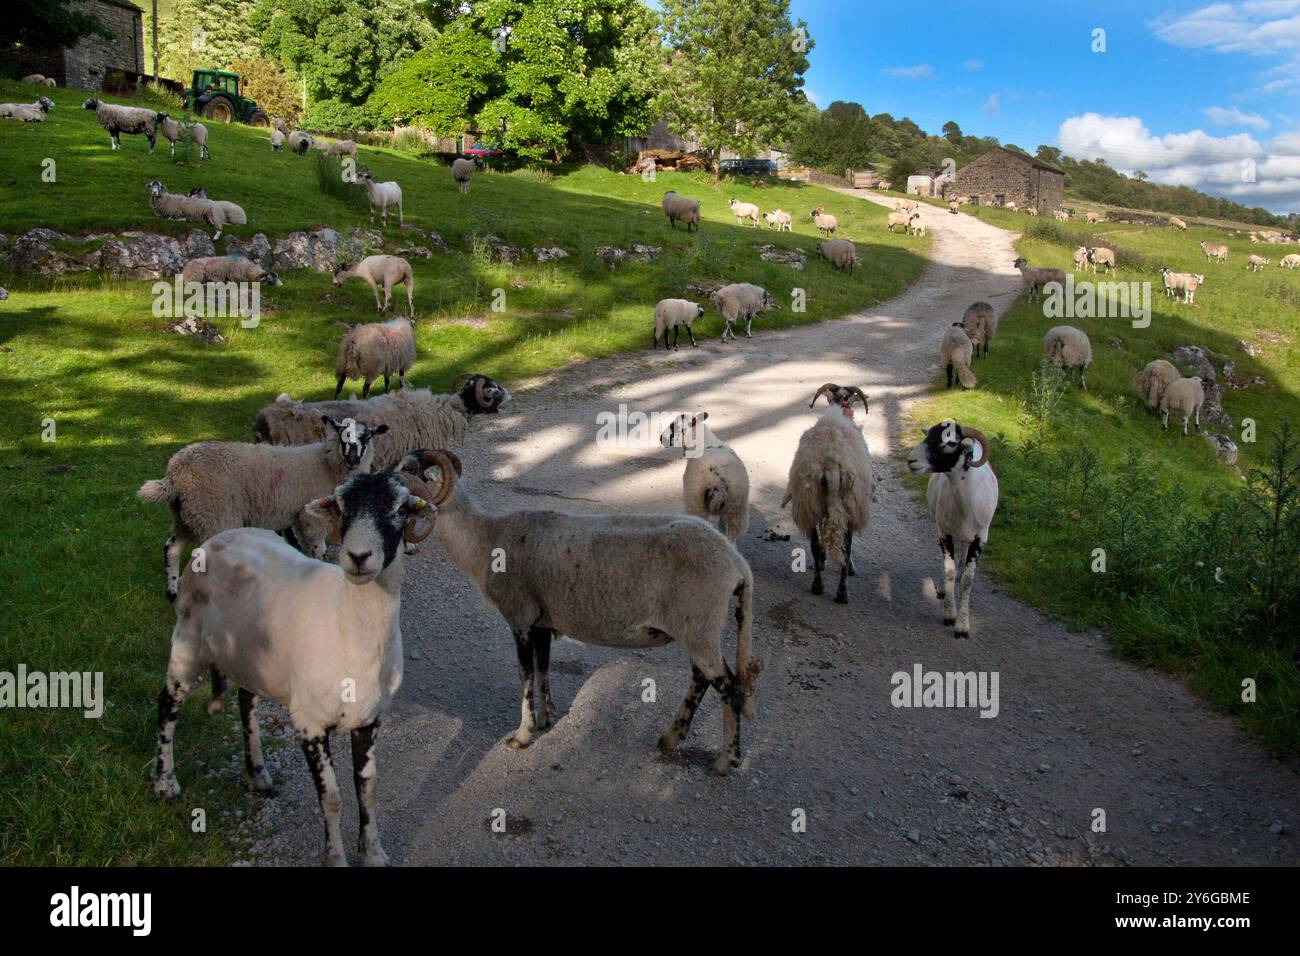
x,y
866,410
478,392
968,432
825,388
448,464
417,526
460,380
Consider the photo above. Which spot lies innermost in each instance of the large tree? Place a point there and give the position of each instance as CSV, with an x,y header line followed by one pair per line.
x,y
204,34
736,71
35,24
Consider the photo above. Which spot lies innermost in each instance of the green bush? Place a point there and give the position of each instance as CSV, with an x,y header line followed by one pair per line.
x,y
331,181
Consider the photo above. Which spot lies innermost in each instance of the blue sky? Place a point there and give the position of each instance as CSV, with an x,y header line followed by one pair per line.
x,y
1194,93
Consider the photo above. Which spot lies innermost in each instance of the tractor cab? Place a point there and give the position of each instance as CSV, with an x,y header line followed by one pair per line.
x,y
214,95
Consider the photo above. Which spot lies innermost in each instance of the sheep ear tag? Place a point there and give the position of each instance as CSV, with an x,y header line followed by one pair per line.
x,y
418,527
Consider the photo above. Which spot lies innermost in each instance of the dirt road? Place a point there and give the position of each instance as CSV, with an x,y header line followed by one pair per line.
x,y
1077,729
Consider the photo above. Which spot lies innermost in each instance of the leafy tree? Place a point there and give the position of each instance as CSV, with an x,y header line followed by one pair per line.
x,y
736,71
838,138
47,23
846,112
900,169
211,34
1049,154
952,132
267,82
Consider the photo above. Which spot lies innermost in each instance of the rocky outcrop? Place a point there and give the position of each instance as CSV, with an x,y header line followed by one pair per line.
x,y
616,255
1194,360
794,258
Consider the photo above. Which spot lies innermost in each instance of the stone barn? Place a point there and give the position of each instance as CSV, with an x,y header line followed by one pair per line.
x,y
95,63
1001,176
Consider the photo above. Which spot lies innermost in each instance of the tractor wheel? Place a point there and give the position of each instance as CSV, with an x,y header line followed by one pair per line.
x,y
219,110
259,117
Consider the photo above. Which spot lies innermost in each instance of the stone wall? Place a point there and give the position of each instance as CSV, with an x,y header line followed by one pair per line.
x,y
93,59
998,174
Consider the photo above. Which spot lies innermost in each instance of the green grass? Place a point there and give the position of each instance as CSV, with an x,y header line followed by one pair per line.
x,y
81,558
1036,539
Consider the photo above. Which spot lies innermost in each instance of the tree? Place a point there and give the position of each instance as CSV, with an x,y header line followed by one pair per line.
x,y
1049,154
736,71
267,82
204,34
834,140
952,132
846,112
900,169
36,24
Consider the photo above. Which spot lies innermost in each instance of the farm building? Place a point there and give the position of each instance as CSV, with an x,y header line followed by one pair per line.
x,y
93,63
1001,176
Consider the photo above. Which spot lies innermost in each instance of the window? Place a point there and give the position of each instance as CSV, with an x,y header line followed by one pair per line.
x,y
1000,199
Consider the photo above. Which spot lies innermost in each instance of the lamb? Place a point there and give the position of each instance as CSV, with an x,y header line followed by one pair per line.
x,y
1154,379
826,223
1256,264
674,315
278,139
962,496
132,120
416,417
780,220
383,195
1101,256
674,576
342,147
1068,349
741,300
829,484
1185,282
172,130
1289,261
462,170
199,133
680,209
1060,215
1081,259
1037,278
386,270
744,212
955,351
373,349
226,269
840,253
981,325
299,142
917,228
39,79
27,112
295,630
715,483
1177,223
1185,396
903,219
1214,252
212,486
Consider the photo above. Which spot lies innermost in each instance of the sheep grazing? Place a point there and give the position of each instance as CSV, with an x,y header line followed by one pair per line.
x,y
1068,349
1037,278
1177,223
674,576
1080,259
1256,264
981,325
295,630
172,130
27,112
903,219
1101,256
744,212
829,485
1154,379
1060,215
741,300
674,315
955,352
132,120
416,417
840,253
212,486
224,213
226,269
715,484
383,195
299,142
462,170
779,220
1184,396
381,270
278,139
680,209
1289,261
962,496
826,223
39,79
1214,252
1185,283
374,349
1094,217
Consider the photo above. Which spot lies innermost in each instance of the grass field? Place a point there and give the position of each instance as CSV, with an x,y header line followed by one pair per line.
x,y
81,557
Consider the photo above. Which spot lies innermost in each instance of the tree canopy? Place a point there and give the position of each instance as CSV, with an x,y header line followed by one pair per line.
x,y
47,23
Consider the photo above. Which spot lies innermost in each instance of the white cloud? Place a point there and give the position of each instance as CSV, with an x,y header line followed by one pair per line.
x,y
1256,27
1231,116
973,65
921,71
992,105
813,96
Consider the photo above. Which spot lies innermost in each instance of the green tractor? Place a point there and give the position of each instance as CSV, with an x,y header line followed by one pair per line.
x,y
214,95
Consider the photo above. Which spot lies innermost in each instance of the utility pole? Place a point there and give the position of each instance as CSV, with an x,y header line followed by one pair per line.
x,y
155,41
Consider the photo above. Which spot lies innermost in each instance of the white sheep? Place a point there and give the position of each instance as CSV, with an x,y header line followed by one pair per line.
x,y
132,120
39,79
1154,379
1185,283
674,577
300,141
296,630
278,139
1080,259
1256,264
1094,217
172,130
1060,215
1289,261
674,315
27,112
1101,256
715,483
1214,251
462,170
372,349
1068,349
680,209
825,222
962,496
383,195
840,253
387,271
224,212
1177,223
215,485
955,352
1185,396
981,324
829,485
744,212
342,147
901,219
193,208
953,206
1037,278
780,220
226,269
741,300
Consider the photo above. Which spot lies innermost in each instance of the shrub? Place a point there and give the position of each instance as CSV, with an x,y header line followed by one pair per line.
x,y
154,96
332,181
266,82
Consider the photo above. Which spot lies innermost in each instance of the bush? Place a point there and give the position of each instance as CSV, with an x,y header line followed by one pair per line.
x,y
154,96
331,180
266,82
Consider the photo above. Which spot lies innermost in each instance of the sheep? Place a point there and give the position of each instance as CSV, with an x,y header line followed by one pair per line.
x,y
199,133
1185,396
1060,215
4,294
674,576
462,170
1289,261
1154,379
1256,264
680,209
299,142
826,223
295,630
278,139
674,315
981,325
27,112
212,486
917,229
1011,204
840,253
194,208
228,212
953,206
1214,252
962,496
373,349
1080,259
388,270
382,195
1177,223
1101,256
741,300
133,120
226,269
1037,278
780,220
829,484
1068,348
715,483
744,212
1185,282
955,351
1094,217
39,79
172,130
416,417
342,147
903,219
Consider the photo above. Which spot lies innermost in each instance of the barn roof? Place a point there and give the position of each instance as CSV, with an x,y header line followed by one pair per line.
x,y
1023,157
